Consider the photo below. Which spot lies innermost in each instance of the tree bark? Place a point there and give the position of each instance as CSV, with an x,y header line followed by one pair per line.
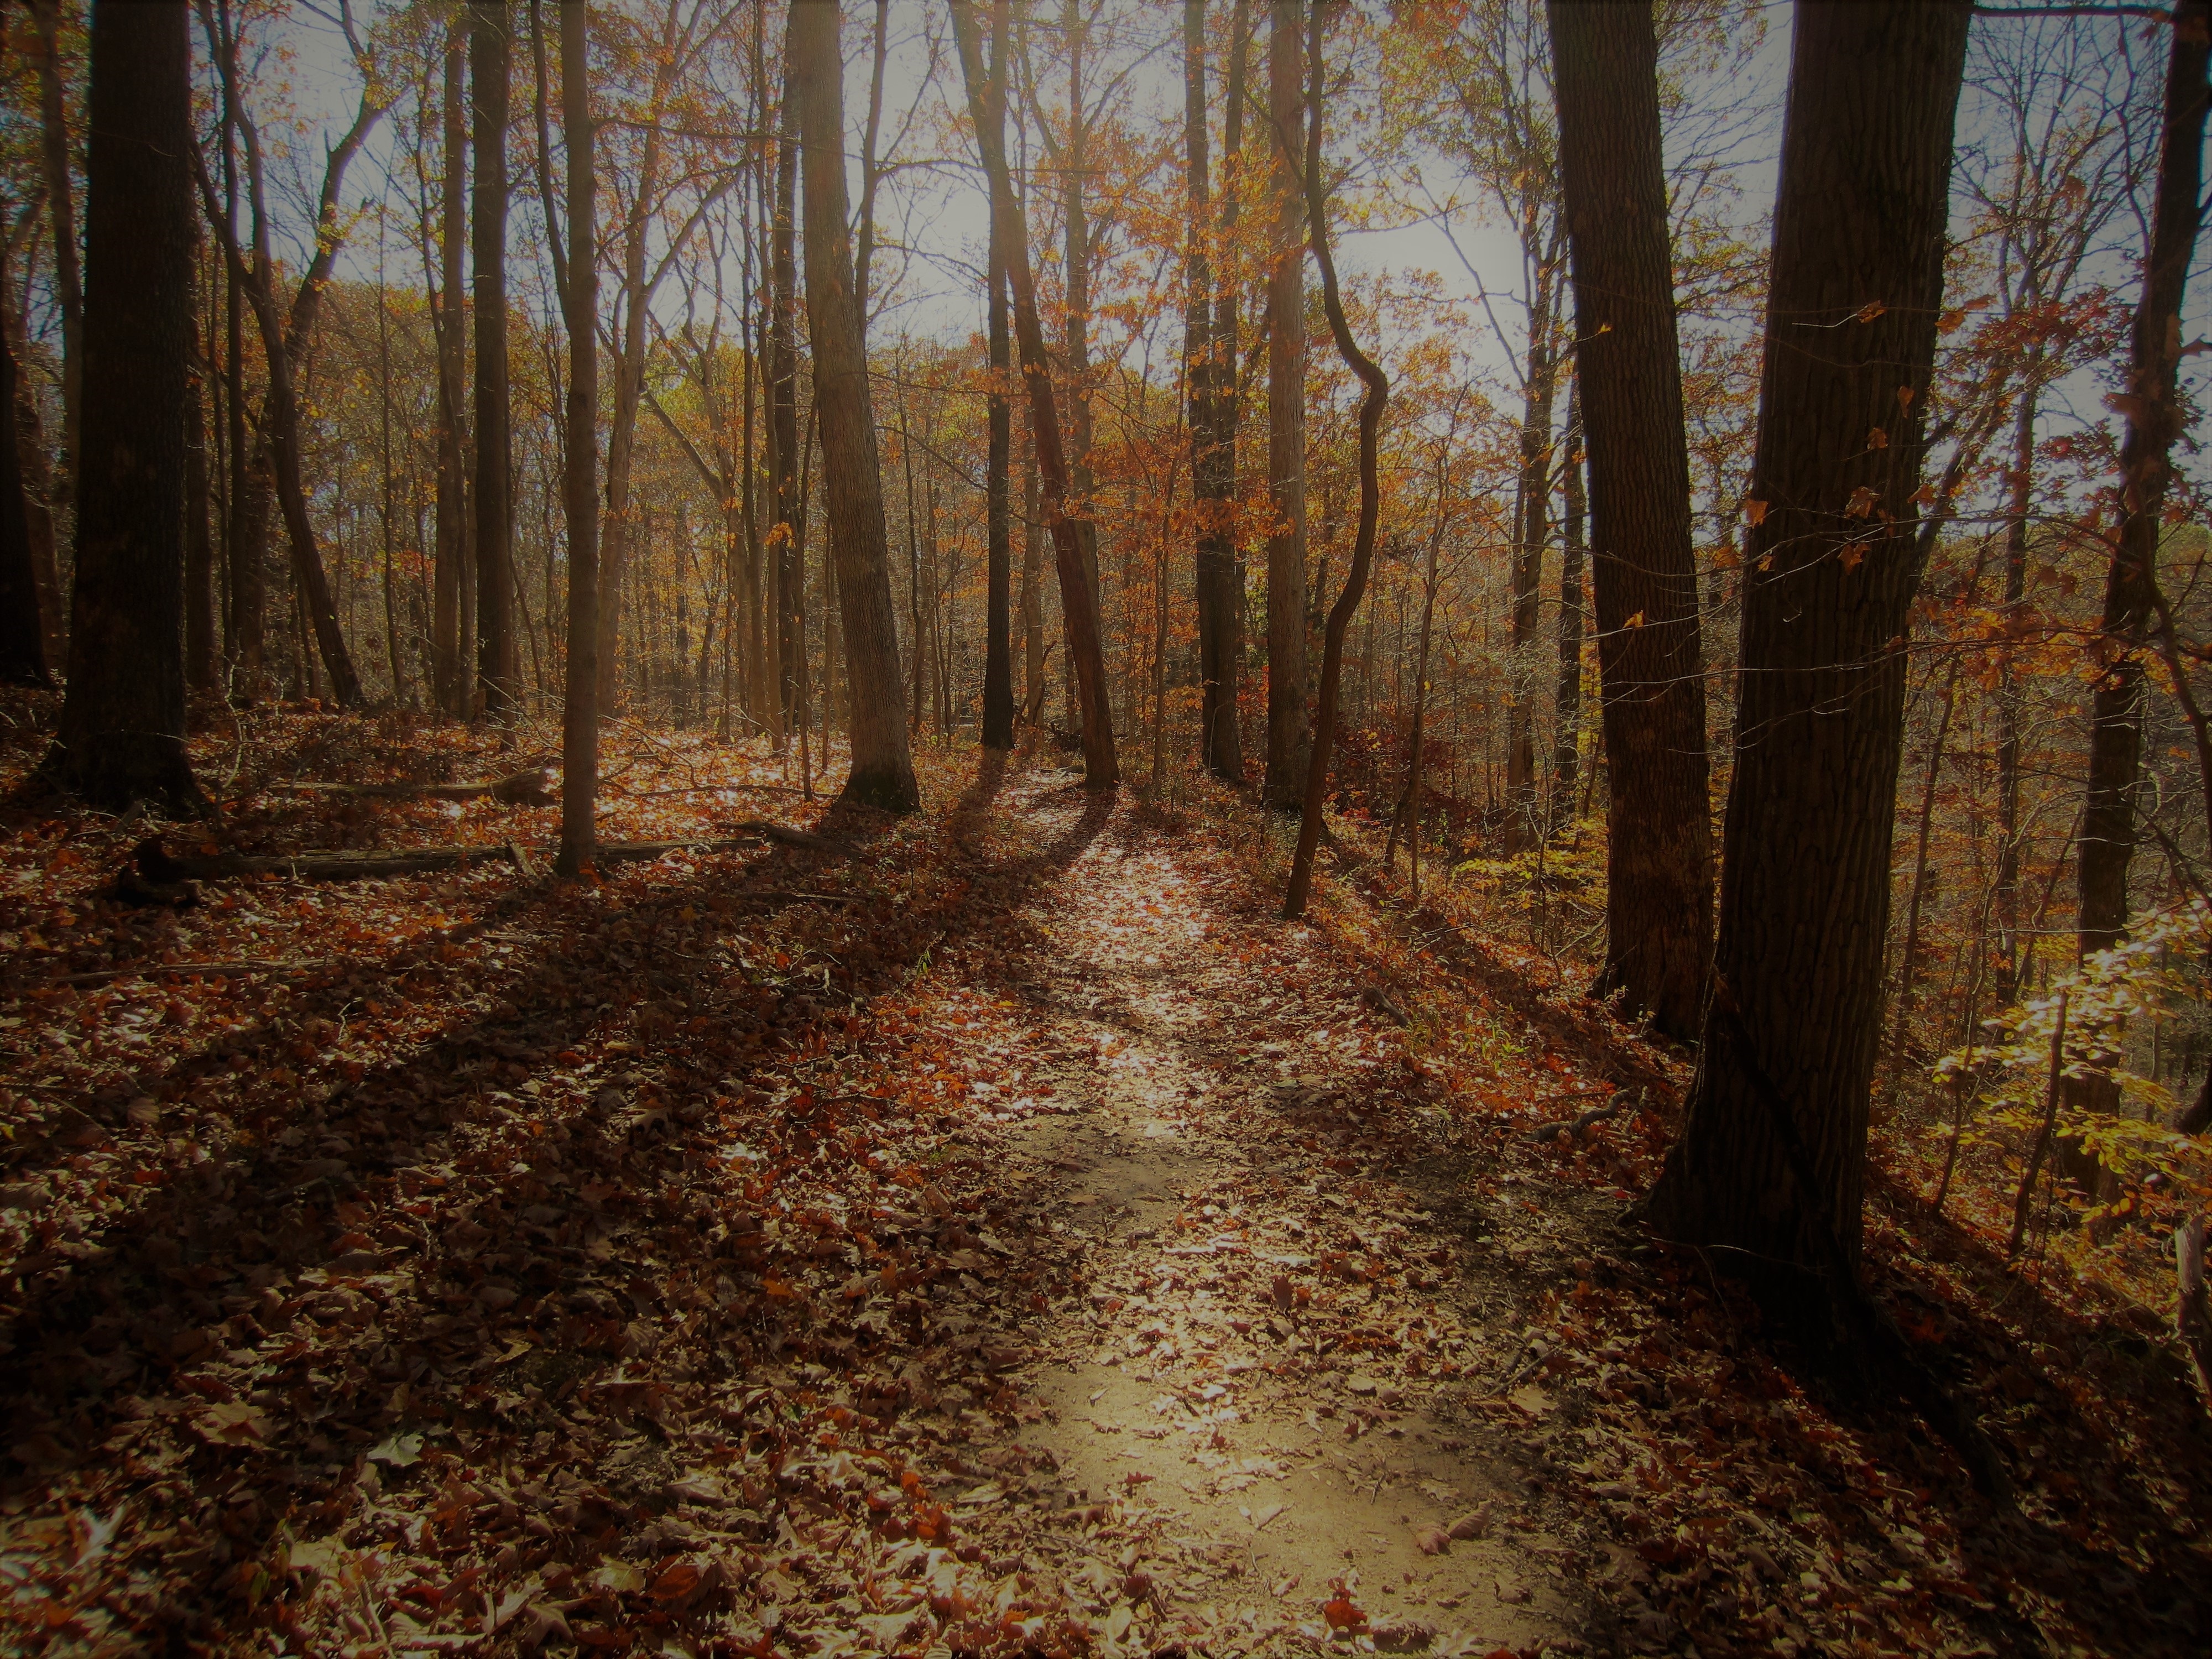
x,y
1078,597
38,588
2151,404
1371,490
2010,698
883,771
491,53
1210,352
1532,500
1289,739
448,647
783,456
1831,570
199,543
1659,862
579,713
1567,696
22,639
998,621
61,206
121,740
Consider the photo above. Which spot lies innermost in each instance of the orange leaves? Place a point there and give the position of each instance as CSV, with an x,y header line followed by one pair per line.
x,y
1754,512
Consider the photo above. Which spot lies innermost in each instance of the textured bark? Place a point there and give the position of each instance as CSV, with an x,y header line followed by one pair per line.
x,y
25,440
1290,738
1659,861
579,713
199,541
23,639
61,206
2010,696
449,575
491,53
1830,573
122,734
883,770
998,621
1077,592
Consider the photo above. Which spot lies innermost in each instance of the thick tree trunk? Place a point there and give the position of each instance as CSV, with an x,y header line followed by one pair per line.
x,y
998,621
1831,569
122,736
580,713
491,53
1289,739
199,542
448,641
1078,597
883,771
25,440
1659,912
23,639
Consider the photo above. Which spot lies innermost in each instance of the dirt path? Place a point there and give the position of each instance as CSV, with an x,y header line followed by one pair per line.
x,y
1252,1407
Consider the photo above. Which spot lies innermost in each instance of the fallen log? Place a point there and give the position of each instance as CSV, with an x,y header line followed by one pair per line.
x,y
157,864
533,787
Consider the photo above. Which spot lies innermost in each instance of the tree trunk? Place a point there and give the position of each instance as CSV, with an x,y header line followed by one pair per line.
x,y
1659,861
1857,277
883,771
1378,392
1567,698
491,53
122,735
1289,736
246,529
997,621
579,713
1532,500
25,442
1078,597
22,639
61,206
783,456
1210,351
2010,695
2152,406
1033,686
199,543
449,648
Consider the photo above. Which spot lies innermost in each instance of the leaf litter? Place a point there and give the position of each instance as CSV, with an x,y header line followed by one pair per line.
x,y
1048,1252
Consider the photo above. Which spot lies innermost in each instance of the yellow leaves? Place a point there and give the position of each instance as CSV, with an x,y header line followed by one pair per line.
x,y
1636,621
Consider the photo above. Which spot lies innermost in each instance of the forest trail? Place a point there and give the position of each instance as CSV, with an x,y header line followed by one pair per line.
x,y
1245,1372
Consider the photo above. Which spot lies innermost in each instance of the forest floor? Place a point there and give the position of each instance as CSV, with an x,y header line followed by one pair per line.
x,y
1000,1233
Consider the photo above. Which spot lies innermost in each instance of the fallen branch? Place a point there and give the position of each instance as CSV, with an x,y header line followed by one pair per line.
x,y
1626,1100
533,787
